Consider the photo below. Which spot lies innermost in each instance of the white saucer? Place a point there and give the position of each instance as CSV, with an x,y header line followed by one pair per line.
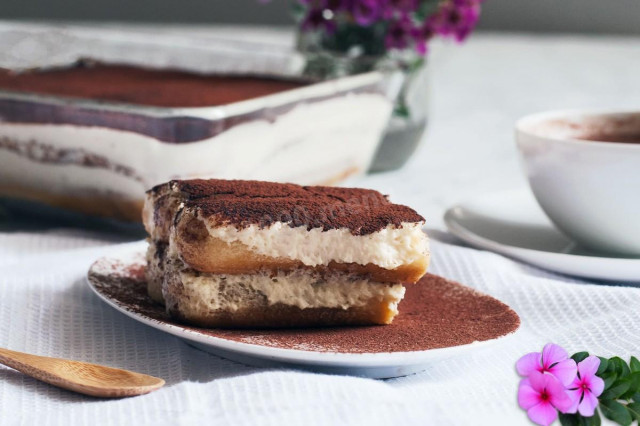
x,y
511,223
115,280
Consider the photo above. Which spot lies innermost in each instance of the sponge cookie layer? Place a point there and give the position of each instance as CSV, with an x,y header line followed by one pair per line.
x,y
193,243
229,227
295,299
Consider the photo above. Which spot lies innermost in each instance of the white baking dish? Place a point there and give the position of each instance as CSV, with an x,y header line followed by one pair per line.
x,y
99,157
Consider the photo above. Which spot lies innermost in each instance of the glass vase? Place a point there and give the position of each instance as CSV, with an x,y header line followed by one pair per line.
x,y
406,83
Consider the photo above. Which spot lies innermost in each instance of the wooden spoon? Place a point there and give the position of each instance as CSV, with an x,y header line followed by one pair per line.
x,y
89,379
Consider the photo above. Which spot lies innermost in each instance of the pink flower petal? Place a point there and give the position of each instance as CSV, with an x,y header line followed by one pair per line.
x,y
565,371
596,385
537,380
527,396
589,366
542,414
558,395
575,383
575,396
528,363
588,405
551,354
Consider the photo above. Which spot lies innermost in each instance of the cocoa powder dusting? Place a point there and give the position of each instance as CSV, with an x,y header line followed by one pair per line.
x,y
243,203
436,313
140,86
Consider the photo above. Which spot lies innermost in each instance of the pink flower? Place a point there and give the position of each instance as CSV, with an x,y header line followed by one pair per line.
x,y
542,394
586,387
553,360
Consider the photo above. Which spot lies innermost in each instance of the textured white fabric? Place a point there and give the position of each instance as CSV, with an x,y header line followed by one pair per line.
x,y
46,308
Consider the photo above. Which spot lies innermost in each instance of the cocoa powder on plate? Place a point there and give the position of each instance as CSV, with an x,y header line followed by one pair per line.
x,y
436,313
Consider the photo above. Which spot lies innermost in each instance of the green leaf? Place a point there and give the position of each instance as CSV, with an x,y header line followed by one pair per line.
x,y
579,356
634,385
636,397
619,366
617,390
594,420
603,366
568,419
578,420
615,411
635,364
609,380
634,410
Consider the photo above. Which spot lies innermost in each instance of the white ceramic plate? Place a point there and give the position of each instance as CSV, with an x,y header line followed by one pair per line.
x,y
115,280
512,223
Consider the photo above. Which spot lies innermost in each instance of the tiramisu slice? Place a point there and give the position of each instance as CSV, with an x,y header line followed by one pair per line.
x,y
245,253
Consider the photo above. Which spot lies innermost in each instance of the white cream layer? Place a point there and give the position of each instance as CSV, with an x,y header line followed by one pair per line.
x,y
339,136
210,292
388,248
68,179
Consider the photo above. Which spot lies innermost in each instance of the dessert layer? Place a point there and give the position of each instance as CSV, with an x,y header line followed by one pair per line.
x,y
193,244
205,298
259,205
135,85
300,288
154,272
122,164
388,248
90,201
285,316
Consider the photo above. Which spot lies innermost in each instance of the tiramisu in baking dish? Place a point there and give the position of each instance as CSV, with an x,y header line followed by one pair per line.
x,y
94,137
260,254
144,86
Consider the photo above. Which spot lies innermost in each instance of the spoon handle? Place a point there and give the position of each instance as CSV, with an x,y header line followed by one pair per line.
x,y
32,365
83,377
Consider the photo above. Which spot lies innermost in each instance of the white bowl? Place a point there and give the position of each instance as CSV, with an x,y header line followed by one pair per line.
x,y
590,190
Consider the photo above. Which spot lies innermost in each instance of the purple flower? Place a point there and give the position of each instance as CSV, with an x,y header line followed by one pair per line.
x,y
455,18
315,19
586,387
542,394
553,360
399,34
405,27
336,5
404,5
421,37
366,12
393,8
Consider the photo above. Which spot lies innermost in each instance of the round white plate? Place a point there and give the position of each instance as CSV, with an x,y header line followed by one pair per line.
x,y
512,223
119,270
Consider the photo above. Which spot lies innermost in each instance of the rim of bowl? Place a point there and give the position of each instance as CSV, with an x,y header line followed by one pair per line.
x,y
564,113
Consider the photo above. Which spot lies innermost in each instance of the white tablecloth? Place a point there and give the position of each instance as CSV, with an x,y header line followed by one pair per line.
x,y
48,309
479,90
